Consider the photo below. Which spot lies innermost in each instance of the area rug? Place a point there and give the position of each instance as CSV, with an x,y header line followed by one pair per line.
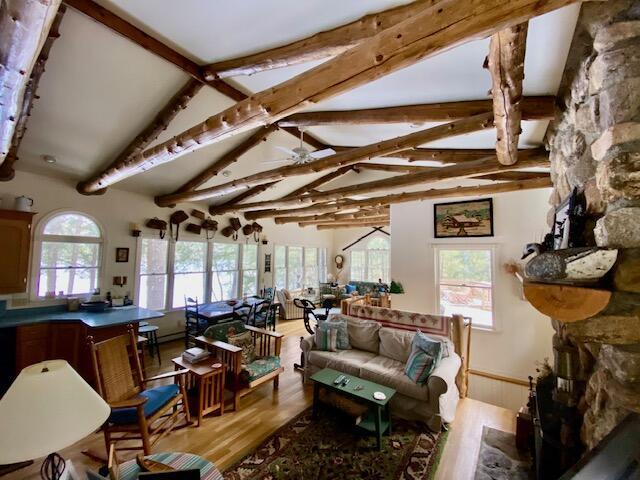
x,y
332,448
499,459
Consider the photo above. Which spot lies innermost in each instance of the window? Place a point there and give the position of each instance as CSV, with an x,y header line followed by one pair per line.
x,y
465,283
249,269
70,255
153,273
371,263
224,282
190,266
299,267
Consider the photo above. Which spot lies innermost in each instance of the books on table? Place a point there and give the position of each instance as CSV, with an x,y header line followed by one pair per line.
x,y
195,354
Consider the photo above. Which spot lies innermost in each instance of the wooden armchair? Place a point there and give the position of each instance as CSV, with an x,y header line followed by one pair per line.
x,y
137,411
239,378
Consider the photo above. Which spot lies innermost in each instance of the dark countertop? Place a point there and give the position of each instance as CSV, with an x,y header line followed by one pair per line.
x,y
108,318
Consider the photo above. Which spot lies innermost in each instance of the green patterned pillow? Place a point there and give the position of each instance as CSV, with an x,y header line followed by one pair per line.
x,y
425,356
244,340
327,339
340,326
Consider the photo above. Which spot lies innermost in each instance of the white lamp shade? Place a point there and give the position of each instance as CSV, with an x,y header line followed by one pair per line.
x,y
47,408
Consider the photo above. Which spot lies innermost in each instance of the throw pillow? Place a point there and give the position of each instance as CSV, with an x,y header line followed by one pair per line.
x,y
349,289
340,326
425,342
424,358
244,340
287,294
327,339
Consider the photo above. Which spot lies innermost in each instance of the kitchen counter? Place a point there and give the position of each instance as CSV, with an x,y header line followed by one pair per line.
x,y
108,318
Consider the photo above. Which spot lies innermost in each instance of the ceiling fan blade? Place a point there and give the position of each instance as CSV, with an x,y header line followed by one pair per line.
x,y
286,150
323,153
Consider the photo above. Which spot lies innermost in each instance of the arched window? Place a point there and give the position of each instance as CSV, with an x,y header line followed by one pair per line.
x,y
371,263
70,253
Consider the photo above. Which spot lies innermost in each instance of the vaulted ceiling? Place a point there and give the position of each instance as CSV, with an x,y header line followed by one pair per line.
x,y
101,89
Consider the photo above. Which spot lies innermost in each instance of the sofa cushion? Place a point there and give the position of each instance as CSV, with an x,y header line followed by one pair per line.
x,y
389,372
425,356
262,366
244,340
395,343
347,361
222,331
363,334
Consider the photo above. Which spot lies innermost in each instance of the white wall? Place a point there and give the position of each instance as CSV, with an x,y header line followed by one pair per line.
x,y
523,335
343,237
115,211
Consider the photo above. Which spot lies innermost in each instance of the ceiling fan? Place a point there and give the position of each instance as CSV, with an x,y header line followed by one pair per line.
x,y
300,155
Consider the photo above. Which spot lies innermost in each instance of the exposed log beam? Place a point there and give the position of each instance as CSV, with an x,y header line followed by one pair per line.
x,y
533,158
24,27
514,175
137,36
227,159
444,155
428,32
30,94
405,197
318,182
533,108
321,45
149,133
467,125
361,213
353,221
333,226
506,65
252,192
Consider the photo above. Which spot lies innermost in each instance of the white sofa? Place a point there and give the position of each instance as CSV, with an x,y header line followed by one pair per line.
x,y
379,354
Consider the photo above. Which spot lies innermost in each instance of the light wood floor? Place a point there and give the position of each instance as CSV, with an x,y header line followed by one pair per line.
x,y
224,440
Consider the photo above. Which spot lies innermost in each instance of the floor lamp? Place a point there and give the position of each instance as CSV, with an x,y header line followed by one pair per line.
x,y
47,408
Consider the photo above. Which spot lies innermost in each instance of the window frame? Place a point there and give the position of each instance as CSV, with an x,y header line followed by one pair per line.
x,y
495,325
241,269
40,237
171,257
366,251
321,267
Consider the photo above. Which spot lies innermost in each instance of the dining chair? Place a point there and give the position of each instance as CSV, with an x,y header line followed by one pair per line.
x,y
260,314
194,324
269,293
138,411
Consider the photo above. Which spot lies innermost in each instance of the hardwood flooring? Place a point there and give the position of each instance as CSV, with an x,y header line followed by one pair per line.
x,y
226,439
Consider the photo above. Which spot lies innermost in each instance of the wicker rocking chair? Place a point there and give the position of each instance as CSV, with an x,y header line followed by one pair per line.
x,y
138,412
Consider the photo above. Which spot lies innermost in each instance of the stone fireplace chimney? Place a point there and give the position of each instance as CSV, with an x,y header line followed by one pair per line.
x,y
594,145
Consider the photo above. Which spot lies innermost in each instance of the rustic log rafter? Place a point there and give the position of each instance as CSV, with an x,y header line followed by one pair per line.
x,y
458,127
402,198
360,213
506,66
24,28
232,203
533,108
512,175
134,34
321,45
533,158
30,95
334,226
353,221
429,31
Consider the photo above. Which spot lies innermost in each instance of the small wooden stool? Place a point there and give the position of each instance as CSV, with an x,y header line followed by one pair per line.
x,y
150,332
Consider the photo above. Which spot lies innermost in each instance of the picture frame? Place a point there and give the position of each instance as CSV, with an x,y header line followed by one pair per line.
x,y
267,262
122,255
467,219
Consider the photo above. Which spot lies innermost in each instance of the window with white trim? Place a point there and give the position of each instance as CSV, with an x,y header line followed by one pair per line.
x,y
224,267
371,263
249,277
189,272
299,267
154,273
70,255
464,282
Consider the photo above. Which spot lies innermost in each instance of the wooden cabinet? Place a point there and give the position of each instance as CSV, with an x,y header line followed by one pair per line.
x,y
15,243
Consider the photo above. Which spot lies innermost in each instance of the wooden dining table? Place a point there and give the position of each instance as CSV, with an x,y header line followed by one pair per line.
x,y
215,312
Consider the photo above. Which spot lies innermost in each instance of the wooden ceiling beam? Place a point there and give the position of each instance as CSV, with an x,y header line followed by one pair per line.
x,y
149,133
318,182
467,125
230,204
444,155
533,158
404,197
533,108
188,66
24,28
316,47
360,213
506,66
429,31
334,226
352,221
512,175
30,95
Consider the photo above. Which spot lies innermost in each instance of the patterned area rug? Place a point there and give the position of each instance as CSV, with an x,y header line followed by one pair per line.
x,y
499,459
332,448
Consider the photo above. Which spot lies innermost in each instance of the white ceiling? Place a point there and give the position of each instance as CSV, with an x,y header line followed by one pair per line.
x,y
100,89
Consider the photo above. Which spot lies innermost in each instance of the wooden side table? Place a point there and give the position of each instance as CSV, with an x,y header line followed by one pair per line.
x,y
206,383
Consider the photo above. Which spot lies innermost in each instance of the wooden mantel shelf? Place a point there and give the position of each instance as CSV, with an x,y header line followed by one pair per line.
x,y
566,303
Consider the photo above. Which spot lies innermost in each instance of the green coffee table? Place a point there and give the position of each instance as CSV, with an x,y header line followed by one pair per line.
x,y
376,422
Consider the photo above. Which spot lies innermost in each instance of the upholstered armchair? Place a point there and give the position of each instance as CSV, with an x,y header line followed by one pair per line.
x,y
243,378
288,311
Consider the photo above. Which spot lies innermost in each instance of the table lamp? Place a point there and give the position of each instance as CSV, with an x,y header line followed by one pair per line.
x,y
47,408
